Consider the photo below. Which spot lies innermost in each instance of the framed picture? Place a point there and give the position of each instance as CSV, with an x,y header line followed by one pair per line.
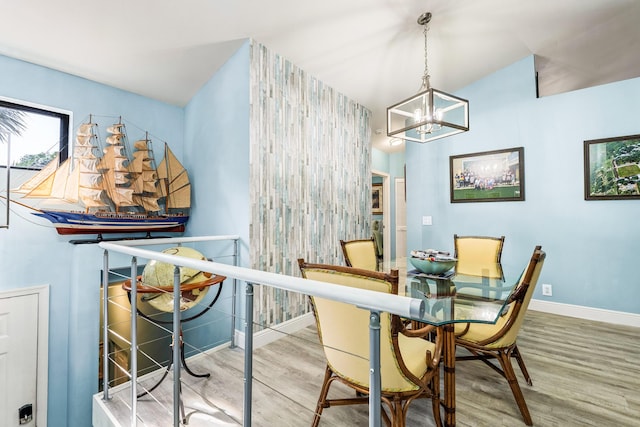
x,y
612,168
376,199
490,176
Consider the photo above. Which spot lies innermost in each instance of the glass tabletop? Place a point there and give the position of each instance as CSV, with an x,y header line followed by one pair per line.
x,y
457,298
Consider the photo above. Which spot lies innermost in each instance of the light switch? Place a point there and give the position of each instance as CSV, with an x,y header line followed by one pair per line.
x,y
426,220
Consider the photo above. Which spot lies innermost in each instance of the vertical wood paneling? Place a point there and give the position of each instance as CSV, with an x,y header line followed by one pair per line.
x,y
310,174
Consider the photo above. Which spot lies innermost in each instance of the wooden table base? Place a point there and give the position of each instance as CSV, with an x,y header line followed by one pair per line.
x,y
449,363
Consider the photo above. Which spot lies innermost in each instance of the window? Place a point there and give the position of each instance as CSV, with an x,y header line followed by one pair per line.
x,y
43,134
30,137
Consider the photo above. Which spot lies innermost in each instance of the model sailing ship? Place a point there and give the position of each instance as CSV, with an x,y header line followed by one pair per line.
x,y
112,191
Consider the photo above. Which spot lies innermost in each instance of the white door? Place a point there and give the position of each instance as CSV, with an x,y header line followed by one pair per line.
x,y
401,219
18,357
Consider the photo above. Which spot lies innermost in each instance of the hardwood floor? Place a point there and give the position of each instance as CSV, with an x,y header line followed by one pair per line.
x,y
584,373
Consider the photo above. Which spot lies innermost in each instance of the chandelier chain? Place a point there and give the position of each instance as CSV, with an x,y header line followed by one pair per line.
x,y
426,76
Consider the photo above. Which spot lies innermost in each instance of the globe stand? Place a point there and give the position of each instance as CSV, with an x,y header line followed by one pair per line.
x,y
142,289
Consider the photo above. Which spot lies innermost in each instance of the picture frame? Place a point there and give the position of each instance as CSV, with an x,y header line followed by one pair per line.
x,y
376,199
612,168
488,176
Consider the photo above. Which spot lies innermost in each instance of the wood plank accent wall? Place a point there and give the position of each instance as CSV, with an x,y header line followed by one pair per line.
x,y
310,175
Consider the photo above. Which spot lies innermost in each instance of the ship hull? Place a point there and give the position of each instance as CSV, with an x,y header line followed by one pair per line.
x,y
111,222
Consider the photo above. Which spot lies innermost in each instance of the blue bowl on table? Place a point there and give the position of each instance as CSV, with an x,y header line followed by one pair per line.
x,y
435,266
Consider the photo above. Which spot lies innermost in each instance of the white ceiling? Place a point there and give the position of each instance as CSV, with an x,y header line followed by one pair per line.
x,y
370,50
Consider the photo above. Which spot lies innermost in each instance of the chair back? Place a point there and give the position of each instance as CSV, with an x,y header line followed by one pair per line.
x,y
344,328
360,253
508,326
523,293
478,255
377,237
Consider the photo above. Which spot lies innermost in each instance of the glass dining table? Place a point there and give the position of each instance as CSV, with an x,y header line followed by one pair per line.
x,y
450,299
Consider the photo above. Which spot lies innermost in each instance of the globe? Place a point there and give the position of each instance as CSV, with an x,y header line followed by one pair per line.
x,y
158,274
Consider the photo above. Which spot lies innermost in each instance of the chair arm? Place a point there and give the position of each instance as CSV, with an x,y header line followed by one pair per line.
x,y
518,294
421,332
464,331
424,332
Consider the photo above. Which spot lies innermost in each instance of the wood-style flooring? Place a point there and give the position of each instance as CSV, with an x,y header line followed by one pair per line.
x,y
584,373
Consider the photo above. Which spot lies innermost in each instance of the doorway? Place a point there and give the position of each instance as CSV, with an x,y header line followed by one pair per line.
x,y
24,346
386,213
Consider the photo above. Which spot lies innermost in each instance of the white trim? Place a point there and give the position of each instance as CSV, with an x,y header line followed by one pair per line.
x,y
70,141
587,313
42,377
400,230
39,106
276,332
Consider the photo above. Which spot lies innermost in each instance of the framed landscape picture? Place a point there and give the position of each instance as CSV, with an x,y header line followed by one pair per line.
x,y
490,176
376,199
612,168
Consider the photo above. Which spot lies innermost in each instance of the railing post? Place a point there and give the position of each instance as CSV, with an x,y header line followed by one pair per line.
x,y
105,325
233,296
375,383
248,356
134,341
177,344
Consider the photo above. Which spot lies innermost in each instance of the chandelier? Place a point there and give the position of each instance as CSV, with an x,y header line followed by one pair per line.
x,y
430,114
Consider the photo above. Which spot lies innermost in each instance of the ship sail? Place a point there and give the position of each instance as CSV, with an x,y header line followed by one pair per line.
x,y
175,181
52,186
46,174
86,184
144,176
115,171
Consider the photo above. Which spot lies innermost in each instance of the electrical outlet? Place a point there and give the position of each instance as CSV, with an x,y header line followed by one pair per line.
x,y
546,290
427,220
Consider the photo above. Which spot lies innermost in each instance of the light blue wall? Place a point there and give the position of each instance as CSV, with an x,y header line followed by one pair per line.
x,y
33,255
590,244
217,153
379,160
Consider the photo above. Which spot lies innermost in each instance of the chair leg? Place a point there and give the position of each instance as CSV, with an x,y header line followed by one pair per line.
x,y
385,417
398,415
323,397
435,400
396,411
523,368
504,358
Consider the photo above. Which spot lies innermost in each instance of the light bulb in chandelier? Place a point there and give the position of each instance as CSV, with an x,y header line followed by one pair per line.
x,y
431,122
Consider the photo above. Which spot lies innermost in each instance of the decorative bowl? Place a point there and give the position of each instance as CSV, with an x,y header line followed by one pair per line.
x,y
433,265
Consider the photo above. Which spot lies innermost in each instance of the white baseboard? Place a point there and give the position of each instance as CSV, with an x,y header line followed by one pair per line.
x,y
588,313
267,336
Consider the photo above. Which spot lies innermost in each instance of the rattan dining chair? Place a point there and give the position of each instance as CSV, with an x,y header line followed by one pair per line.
x,y
488,342
360,253
409,364
478,255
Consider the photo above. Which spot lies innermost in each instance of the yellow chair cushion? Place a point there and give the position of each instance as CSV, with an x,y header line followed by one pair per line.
x,y
478,256
362,254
